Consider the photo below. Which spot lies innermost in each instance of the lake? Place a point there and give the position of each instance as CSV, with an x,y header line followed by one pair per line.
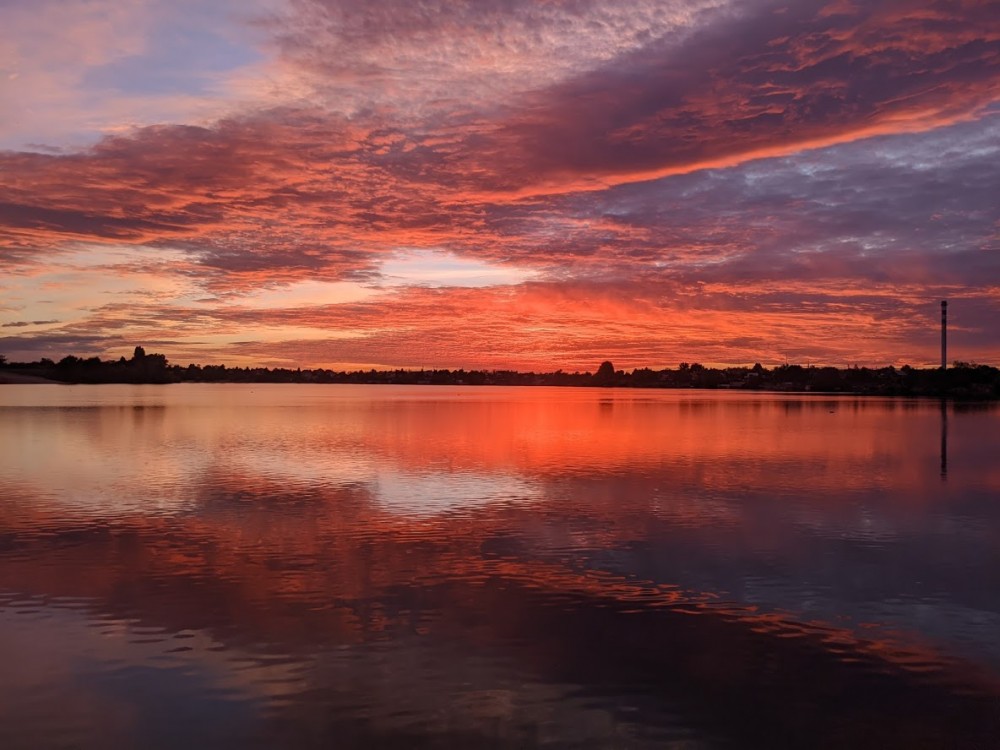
x,y
301,566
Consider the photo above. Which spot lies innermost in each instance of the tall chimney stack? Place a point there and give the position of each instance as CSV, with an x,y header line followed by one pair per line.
x,y
944,334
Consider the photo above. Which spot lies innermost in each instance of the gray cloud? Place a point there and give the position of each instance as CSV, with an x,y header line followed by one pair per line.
x,y
26,323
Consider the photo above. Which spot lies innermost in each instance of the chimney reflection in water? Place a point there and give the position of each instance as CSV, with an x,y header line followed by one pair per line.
x,y
944,439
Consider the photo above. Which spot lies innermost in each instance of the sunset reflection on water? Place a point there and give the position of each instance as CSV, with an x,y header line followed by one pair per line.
x,y
463,566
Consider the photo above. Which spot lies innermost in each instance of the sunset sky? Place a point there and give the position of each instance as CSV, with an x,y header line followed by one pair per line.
x,y
529,184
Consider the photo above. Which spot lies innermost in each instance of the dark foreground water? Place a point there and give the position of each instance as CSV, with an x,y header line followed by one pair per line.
x,y
216,566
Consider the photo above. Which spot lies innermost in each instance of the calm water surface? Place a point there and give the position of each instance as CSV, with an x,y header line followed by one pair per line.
x,y
373,566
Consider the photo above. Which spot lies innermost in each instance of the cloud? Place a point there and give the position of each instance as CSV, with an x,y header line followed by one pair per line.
x,y
769,81
442,55
26,323
75,70
771,167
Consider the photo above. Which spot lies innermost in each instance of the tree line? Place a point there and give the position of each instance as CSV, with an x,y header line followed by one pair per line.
x,y
963,380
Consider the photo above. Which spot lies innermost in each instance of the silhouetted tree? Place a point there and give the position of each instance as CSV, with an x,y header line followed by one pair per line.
x,y
605,374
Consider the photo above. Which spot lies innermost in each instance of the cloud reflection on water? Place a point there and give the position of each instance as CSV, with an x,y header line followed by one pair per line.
x,y
744,543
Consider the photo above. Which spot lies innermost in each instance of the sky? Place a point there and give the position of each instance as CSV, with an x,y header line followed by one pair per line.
x,y
526,184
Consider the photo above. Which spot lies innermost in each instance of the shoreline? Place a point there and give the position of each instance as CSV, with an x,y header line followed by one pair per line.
x,y
13,379
10,378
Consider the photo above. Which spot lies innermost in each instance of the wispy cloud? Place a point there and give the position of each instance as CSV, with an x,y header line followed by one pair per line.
x,y
27,323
